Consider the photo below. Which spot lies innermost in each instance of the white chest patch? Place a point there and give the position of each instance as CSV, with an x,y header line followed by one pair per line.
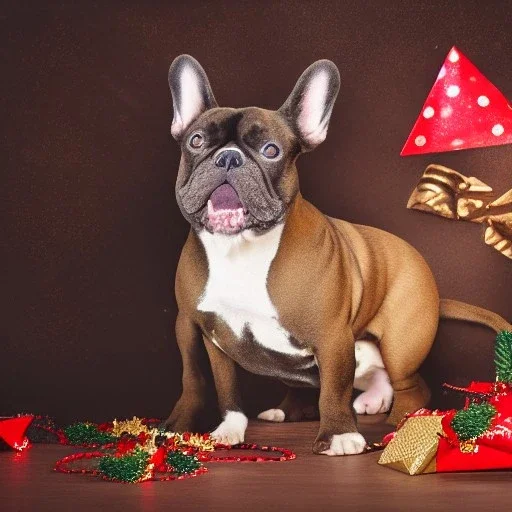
x,y
237,286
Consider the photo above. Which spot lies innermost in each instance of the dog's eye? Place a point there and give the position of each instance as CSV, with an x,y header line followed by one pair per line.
x,y
196,141
270,150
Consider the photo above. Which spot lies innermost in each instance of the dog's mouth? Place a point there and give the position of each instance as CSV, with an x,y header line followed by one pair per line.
x,y
226,213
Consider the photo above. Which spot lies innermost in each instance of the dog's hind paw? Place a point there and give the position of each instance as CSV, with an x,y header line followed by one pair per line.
x,y
275,415
378,394
373,401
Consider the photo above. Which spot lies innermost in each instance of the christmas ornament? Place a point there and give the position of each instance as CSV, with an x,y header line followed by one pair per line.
x,y
448,193
12,431
478,437
463,110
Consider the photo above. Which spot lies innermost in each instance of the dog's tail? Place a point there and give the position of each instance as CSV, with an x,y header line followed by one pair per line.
x,y
456,310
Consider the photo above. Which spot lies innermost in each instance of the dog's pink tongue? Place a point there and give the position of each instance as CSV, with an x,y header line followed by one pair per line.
x,y
225,198
225,210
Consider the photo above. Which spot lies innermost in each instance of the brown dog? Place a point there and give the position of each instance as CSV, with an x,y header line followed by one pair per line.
x,y
268,282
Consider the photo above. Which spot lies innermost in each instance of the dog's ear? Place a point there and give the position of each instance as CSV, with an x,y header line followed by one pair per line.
x,y
191,93
309,106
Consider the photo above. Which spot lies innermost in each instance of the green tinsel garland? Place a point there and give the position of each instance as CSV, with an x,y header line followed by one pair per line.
x,y
86,433
474,421
181,463
503,357
127,468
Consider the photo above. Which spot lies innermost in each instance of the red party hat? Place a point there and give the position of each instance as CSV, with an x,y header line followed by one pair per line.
x,y
463,110
12,431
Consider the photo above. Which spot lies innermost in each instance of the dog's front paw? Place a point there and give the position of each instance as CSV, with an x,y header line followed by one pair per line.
x,y
185,416
181,424
350,443
232,429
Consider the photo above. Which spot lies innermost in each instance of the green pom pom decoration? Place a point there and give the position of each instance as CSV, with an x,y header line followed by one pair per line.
x,y
85,433
472,422
503,357
127,468
181,463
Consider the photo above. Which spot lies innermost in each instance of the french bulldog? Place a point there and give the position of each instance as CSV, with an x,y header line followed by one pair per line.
x,y
268,282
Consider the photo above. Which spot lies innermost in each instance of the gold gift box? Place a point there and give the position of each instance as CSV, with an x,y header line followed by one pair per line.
x,y
413,449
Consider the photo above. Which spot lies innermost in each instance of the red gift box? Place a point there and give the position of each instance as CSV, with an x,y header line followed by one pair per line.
x,y
451,458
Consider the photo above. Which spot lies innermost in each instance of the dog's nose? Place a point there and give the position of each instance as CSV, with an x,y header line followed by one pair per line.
x,y
229,159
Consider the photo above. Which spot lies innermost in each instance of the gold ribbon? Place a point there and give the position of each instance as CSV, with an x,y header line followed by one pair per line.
x,y
447,193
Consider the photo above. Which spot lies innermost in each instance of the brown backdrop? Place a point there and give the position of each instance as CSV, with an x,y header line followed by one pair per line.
x,y
92,231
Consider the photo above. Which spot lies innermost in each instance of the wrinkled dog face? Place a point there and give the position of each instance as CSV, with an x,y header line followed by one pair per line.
x,y
232,169
237,169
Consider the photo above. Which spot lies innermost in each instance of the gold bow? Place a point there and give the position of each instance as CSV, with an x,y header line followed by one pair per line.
x,y
447,193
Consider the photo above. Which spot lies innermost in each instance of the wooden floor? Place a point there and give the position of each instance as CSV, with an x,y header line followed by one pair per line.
x,y
311,482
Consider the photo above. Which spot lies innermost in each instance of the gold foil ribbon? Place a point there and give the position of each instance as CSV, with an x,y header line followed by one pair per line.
x,y
448,193
134,427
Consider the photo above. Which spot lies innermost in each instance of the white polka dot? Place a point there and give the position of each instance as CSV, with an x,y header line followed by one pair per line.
x,y
446,111
452,91
442,72
483,101
457,142
472,79
420,140
497,130
454,56
428,113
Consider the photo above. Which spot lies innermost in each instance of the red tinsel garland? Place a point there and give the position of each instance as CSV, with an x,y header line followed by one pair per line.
x,y
103,427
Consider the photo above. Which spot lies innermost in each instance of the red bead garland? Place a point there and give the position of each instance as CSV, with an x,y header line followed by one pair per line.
x,y
209,457
62,464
